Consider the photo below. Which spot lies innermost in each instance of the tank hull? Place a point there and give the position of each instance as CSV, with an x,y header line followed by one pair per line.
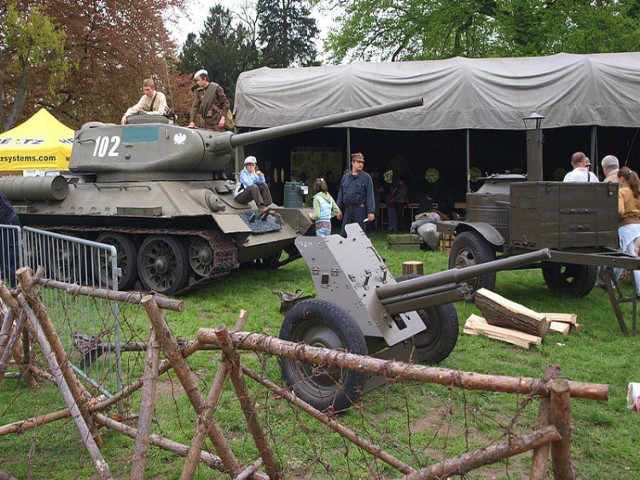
x,y
214,233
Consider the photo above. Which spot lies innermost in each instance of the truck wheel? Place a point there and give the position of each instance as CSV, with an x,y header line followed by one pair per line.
x,y
569,278
322,324
469,248
163,264
126,254
441,335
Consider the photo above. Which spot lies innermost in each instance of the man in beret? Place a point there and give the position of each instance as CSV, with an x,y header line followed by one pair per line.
x,y
211,103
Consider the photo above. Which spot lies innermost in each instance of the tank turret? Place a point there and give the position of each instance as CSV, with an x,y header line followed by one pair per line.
x,y
162,151
159,194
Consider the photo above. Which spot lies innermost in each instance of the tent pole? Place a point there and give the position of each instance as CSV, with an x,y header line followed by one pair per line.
x,y
594,148
468,162
347,166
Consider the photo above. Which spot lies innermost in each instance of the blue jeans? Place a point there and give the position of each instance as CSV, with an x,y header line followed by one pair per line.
x,y
323,232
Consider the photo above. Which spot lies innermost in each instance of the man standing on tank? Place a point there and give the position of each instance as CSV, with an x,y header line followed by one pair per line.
x,y
151,103
356,198
211,103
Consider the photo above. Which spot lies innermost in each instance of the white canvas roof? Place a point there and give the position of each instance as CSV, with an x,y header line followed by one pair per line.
x,y
459,93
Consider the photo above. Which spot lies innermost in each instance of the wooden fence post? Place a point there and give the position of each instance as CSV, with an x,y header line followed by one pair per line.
x,y
540,463
561,418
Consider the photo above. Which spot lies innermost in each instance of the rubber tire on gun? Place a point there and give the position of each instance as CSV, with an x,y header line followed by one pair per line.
x,y
322,324
438,340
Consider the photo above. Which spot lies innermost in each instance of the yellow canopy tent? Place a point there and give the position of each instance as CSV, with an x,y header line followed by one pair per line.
x,y
40,143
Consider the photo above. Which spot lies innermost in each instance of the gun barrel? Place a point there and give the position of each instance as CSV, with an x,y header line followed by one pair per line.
x,y
275,132
458,275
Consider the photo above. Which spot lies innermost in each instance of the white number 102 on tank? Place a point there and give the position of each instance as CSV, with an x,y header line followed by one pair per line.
x,y
106,147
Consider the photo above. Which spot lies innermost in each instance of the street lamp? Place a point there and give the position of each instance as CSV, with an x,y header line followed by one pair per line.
x,y
533,126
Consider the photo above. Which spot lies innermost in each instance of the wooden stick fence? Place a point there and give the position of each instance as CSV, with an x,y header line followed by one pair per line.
x,y
26,311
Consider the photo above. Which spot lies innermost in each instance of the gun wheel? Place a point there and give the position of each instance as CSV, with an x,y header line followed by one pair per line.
x,y
440,336
322,324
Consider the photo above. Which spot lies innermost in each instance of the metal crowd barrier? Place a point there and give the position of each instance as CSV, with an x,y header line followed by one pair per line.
x,y
83,323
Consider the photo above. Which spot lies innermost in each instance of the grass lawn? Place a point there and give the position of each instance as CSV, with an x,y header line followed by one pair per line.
x,y
418,423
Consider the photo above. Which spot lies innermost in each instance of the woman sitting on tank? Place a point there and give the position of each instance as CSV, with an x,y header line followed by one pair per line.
x,y
253,186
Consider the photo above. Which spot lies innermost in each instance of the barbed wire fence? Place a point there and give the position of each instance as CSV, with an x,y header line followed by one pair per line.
x,y
217,401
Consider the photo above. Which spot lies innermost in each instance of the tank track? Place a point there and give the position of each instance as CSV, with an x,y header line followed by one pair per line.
x,y
222,246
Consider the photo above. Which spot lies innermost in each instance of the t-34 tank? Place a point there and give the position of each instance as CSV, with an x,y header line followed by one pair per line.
x,y
159,194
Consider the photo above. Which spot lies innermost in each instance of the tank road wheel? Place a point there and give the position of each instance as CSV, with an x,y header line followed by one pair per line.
x,y
200,256
322,324
569,278
469,248
163,264
441,335
126,253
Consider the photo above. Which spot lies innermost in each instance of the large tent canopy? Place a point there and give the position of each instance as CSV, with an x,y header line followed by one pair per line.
x,y
40,143
459,93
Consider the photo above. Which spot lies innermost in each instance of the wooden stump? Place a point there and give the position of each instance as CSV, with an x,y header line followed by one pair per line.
x,y
502,312
412,267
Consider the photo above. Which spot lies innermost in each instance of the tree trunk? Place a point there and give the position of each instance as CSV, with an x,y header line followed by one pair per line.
x,y
502,312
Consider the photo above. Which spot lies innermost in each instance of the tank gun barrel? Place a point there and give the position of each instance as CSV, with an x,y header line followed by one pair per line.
x,y
280,131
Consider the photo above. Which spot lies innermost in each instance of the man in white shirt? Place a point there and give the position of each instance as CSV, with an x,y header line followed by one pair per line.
x,y
580,172
151,103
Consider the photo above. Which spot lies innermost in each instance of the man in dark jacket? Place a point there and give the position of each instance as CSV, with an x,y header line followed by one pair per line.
x,y
356,198
9,240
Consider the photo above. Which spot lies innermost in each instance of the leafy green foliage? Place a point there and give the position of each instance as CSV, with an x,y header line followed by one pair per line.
x,y
434,29
286,33
30,44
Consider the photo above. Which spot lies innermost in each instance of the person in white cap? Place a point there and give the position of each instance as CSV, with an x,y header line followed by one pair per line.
x,y
152,102
252,186
211,103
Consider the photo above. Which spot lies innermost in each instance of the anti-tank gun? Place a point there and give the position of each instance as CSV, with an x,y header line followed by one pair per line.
x,y
159,194
362,309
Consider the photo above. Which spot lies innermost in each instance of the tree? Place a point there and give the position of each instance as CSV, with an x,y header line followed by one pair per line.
x,y
112,46
431,29
224,48
287,33
30,47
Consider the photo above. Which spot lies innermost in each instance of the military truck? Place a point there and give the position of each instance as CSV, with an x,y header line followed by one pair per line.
x,y
509,215
159,193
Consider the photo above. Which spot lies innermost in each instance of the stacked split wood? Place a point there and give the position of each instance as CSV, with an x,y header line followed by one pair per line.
x,y
513,323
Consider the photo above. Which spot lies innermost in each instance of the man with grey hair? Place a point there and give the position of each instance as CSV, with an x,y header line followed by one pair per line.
x,y
610,167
